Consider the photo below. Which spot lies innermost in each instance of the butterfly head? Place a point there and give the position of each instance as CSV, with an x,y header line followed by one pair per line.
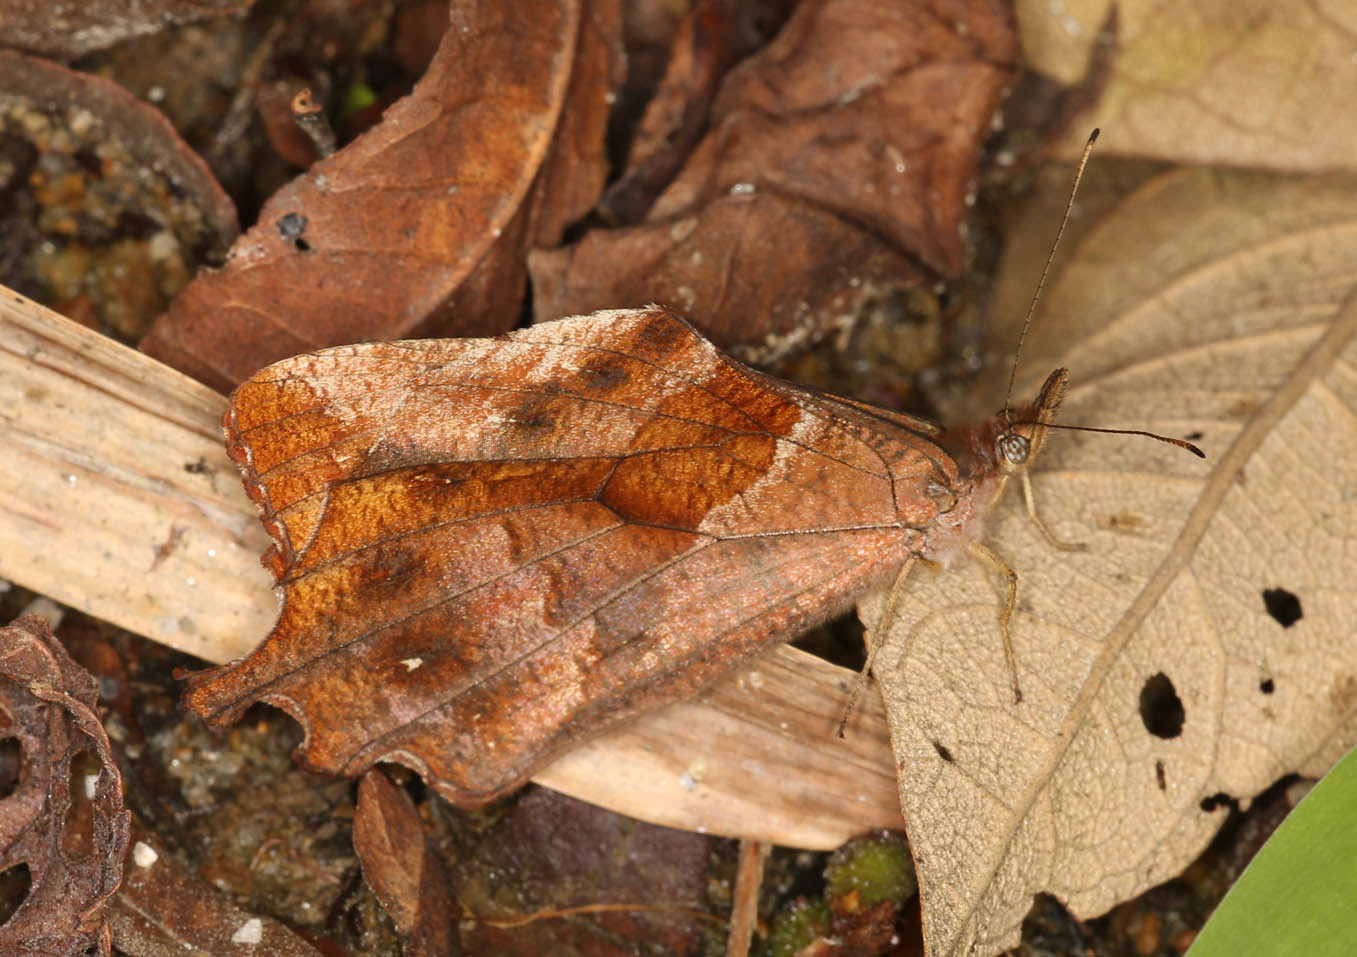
x,y
1020,432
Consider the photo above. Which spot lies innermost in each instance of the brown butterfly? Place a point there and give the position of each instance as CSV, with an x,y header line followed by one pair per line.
x,y
490,549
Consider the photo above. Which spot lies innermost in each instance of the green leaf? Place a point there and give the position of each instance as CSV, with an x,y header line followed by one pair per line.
x,y
1299,893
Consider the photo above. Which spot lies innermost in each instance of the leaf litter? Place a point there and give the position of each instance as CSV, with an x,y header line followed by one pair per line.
x,y
63,820
1145,526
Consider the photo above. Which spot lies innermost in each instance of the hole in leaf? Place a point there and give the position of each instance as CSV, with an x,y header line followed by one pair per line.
x,y
1217,800
1266,686
1282,605
943,752
11,766
1160,707
14,884
77,834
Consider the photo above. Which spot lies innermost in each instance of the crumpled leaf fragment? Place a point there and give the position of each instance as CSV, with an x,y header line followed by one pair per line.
x,y
72,844
839,158
420,226
712,37
710,266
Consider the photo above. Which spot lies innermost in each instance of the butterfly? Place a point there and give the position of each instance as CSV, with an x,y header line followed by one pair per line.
x,y
491,549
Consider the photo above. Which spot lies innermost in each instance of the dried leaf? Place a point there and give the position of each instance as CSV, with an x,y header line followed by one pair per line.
x,y
639,885
165,910
74,29
402,869
838,158
1202,646
419,227
1207,81
871,111
71,844
832,268
710,39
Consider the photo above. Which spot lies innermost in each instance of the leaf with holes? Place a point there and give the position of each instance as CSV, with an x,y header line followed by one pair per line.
x,y
65,819
1202,645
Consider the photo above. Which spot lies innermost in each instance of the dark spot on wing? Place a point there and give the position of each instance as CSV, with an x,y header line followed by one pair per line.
x,y
603,374
534,414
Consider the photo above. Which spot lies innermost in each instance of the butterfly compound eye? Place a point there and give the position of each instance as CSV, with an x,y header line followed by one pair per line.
x,y
1014,448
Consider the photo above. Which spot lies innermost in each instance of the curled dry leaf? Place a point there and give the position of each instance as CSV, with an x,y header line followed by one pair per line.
x,y
419,227
1202,646
70,30
715,265
1207,81
72,844
838,159
402,869
163,909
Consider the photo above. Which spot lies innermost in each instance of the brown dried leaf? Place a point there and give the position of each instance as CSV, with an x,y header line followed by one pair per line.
x,y
70,30
1202,646
645,884
1207,81
708,42
402,869
861,115
164,910
419,226
723,267
872,111
72,845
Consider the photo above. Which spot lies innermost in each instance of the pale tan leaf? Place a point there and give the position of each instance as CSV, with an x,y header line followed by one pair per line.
x,y
1251,83
1212,303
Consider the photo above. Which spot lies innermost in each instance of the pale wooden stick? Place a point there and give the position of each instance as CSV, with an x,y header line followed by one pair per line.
x,y
744,907
116,498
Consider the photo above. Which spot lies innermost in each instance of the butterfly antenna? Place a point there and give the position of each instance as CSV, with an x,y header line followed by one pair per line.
x,y
1181,443
1046,269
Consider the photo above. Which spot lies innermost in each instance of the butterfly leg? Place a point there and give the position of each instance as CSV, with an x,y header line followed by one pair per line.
x,y
993,561
1030,501
875,639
